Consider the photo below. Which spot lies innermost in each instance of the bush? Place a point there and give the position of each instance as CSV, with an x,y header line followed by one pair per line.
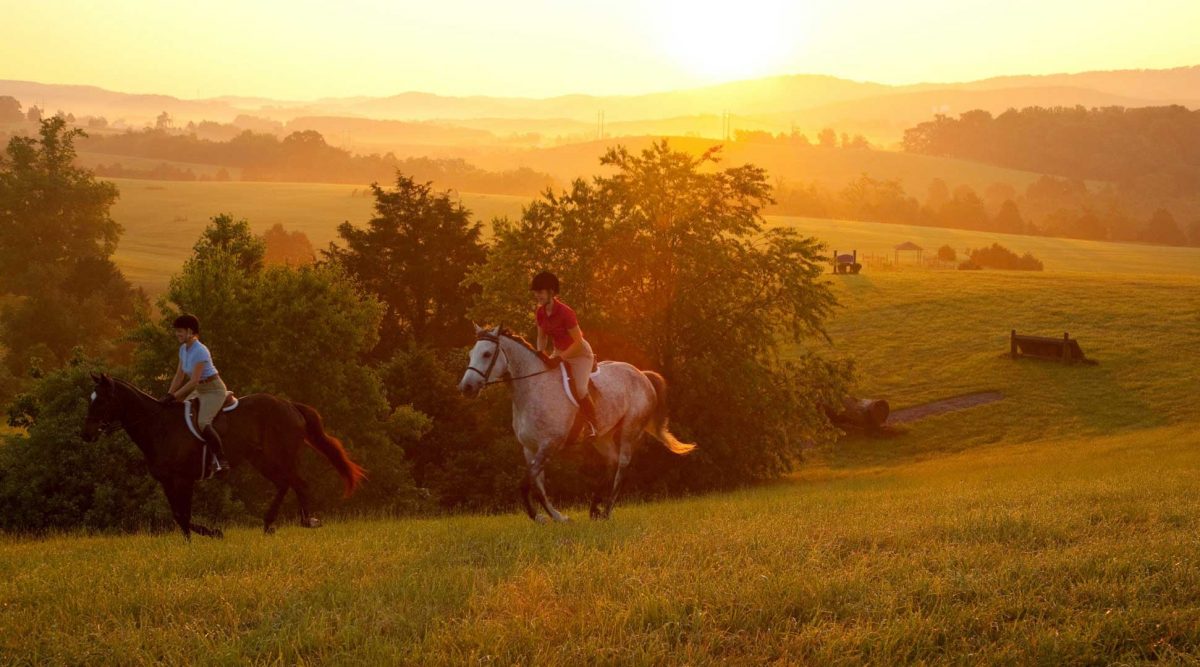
x,y
999,257
50,479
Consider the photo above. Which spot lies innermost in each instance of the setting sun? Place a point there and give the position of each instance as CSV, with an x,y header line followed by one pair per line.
x,y
712,42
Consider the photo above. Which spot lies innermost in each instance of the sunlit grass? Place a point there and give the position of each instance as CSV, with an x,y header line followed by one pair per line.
x,y
1055,526
1076,550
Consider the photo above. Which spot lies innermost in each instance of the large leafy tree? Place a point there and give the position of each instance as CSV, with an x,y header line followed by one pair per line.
x,y
299,332
414,255
671,266
56,242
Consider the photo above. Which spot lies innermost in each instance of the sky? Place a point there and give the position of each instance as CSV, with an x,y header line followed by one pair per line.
x,y
305,49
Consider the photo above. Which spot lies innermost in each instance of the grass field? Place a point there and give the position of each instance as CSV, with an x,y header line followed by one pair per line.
x,y
162,221
1057,526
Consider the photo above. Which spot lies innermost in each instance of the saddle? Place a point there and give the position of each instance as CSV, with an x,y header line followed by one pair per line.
x,y
569,386
190,412
208,460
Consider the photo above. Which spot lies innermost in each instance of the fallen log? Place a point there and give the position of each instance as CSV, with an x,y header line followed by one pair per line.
x,y
864,412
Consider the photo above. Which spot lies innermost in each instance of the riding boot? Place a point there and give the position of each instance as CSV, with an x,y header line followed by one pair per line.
x,y
588,409
213,440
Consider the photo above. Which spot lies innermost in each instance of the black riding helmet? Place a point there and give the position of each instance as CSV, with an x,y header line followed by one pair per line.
x,y
186,321
545,280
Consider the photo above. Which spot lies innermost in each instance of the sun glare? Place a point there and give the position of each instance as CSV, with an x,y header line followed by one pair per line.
x,y
723,41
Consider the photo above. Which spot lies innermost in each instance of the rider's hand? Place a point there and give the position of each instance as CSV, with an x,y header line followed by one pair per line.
x,y
168,399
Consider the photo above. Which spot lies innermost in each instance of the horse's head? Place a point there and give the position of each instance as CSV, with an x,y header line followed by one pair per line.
x,y
103,408
487,362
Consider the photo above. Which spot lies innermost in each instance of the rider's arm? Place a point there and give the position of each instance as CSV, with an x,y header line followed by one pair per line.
x,y
178,379
576,346
187,388
541,341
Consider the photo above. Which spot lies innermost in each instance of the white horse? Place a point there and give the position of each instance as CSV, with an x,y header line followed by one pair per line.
x,y
628,402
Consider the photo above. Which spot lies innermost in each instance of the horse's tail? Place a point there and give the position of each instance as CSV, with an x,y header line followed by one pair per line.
x,y
657,426
331,447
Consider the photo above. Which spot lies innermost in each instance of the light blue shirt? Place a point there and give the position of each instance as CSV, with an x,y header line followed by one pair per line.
x,y
194,353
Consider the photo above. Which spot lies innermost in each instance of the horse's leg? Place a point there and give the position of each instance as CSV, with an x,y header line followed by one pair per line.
x,y
526,488
281,489
607,451
537,473
181,511
180,498
626,443
307,518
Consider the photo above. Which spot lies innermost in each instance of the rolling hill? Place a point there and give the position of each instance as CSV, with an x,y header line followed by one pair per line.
x,y
1056,526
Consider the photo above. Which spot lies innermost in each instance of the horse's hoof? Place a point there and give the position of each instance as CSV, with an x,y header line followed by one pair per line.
x,y
541,518
311,522
269,529
563,519
218,534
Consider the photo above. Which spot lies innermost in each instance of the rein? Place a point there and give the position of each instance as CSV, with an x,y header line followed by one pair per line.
x,y
499,351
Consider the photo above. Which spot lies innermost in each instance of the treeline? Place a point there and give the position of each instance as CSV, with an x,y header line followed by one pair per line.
x,y
306,157
1150,158
1151,147
374,333
1049,206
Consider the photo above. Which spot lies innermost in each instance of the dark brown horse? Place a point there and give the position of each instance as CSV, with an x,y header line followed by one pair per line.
x,y
264,430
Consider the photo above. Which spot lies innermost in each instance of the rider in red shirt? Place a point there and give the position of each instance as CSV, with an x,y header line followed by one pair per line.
x,y
557,321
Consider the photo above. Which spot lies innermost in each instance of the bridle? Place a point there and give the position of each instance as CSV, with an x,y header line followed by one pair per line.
x,y
108,427
485,374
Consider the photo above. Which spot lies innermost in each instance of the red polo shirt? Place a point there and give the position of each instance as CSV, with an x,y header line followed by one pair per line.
x,y
557,324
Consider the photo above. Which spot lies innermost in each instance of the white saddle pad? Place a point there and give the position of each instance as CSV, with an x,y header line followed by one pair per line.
x,y
566,381
187,413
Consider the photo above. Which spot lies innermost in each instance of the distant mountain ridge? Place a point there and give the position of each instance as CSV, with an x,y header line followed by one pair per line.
x,y
806,102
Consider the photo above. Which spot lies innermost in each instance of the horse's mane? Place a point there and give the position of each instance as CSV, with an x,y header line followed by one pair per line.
x,y
131,386
512,335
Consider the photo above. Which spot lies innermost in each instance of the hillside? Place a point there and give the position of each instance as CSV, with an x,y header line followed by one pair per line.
x,y
1056,526
807,101
163,219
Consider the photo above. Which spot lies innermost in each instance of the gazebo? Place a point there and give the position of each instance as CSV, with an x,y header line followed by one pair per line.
x,y
909,246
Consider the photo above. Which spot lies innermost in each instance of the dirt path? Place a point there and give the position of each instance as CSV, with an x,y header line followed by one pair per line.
x,y
945,405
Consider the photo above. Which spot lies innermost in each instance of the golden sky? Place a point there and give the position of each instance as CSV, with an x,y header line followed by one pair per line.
x,y
304,49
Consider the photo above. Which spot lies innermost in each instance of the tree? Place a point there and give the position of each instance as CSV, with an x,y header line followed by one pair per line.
x,y
163,122
1008,219
672,267
300,332
51,212
10,110
947,254
56,243
827,138
965,210
414,255
34,115
284,247
1163,229
226,236
937,195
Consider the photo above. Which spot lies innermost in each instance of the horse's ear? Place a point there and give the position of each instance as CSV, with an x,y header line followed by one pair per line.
x,y
499,328
478,329
105,379
95,378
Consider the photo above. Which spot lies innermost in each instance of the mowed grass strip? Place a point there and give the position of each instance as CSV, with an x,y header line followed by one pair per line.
x,y
1060,551
920,336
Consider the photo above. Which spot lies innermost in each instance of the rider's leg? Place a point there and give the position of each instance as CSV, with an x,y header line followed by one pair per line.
x,y
588,409
212,397
580,370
